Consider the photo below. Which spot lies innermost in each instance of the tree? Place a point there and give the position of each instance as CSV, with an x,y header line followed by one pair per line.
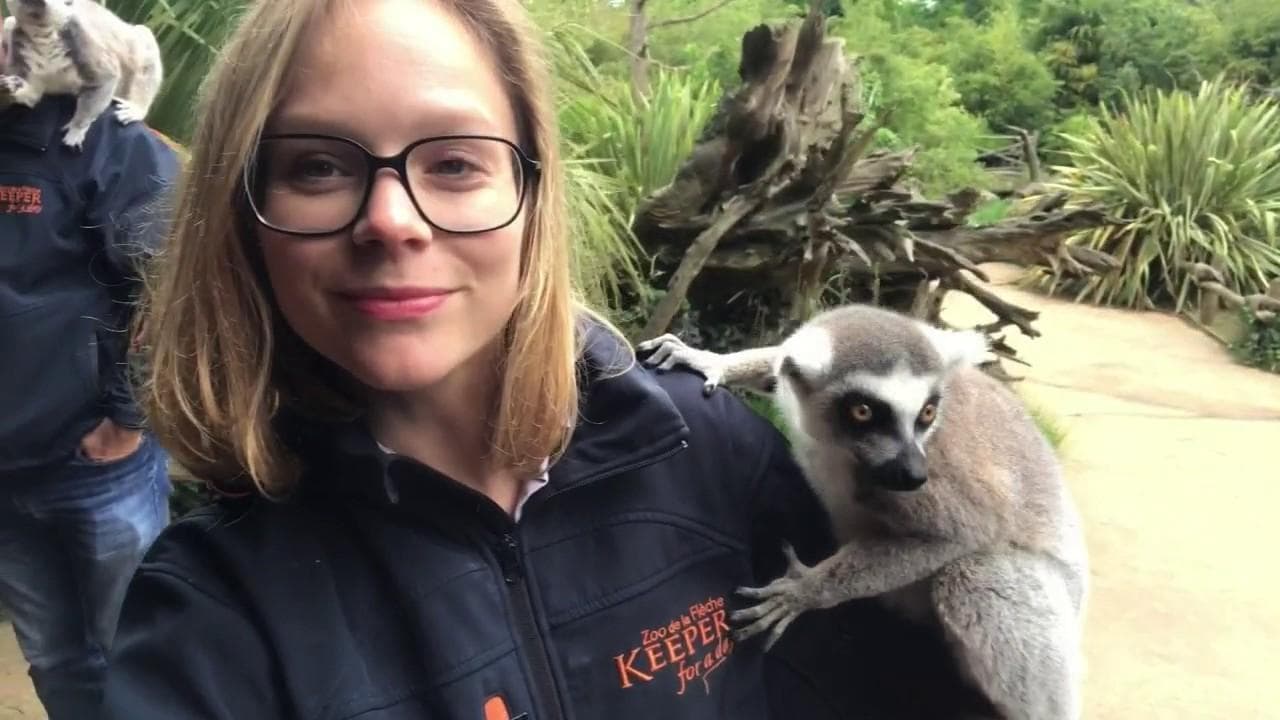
x,y
1099,50
638,36
997,76
1252,35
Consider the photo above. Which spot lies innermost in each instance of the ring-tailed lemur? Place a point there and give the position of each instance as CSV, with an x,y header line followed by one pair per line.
x,y
947,501
79,47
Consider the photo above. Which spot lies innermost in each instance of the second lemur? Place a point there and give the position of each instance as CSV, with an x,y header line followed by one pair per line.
x,y
80,48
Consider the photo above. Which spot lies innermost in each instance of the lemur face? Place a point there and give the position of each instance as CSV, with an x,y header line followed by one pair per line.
x,y
883,422
869,382
39,10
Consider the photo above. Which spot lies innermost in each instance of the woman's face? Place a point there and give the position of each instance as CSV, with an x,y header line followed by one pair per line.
x,y
399,303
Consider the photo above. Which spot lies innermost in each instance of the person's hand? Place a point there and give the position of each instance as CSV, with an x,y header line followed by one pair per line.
x,y
109,442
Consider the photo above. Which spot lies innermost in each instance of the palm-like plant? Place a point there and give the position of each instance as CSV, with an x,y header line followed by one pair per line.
x,y
1195,177
621,148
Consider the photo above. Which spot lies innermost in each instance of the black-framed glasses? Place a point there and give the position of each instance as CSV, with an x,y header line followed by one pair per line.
x,y
309,184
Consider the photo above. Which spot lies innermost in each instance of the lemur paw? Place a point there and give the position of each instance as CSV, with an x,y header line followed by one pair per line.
x,y
670,351
781,602
17,90
74,135
128,112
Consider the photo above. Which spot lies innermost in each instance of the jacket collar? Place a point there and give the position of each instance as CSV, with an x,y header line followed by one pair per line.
x,y
36,128
626,419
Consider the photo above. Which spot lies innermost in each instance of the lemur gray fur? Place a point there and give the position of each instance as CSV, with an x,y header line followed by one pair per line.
x,y
947,501
79,47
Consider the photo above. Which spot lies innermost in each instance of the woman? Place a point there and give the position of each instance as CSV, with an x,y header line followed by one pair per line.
x,y
461,497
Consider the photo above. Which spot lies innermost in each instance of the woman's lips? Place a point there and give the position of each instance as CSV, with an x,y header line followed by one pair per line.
x,y
396,303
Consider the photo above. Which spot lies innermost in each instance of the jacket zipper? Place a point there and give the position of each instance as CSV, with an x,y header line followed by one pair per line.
x,y
536,654
532,645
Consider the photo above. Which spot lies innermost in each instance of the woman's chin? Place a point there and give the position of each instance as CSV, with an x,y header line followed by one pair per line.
x,y
401,377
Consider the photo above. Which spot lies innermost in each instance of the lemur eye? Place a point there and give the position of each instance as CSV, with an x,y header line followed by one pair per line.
x,y
928,414
861,412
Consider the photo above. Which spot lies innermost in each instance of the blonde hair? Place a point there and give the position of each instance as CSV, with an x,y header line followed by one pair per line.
x,y
222,361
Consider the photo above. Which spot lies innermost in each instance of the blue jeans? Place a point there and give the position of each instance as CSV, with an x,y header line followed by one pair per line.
x,y
71,537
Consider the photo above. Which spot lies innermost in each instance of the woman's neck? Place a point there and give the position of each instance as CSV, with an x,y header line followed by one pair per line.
x,y
449,427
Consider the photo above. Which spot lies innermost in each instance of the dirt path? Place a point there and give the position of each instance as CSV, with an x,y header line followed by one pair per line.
x,y
1167,451
17,700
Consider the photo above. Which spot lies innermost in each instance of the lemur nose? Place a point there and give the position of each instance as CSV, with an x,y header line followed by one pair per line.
x,y
904,473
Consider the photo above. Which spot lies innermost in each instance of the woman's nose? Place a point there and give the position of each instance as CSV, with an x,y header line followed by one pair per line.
x,y
390,215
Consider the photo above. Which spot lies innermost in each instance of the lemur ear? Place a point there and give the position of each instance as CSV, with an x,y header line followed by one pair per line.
x,y
805,355
789,369
958,347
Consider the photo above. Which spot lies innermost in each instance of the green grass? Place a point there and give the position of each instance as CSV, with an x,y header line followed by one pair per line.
x,y
989,213
1260,345
1050,426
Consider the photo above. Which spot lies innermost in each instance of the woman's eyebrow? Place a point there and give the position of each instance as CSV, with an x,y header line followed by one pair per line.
x,y
439,119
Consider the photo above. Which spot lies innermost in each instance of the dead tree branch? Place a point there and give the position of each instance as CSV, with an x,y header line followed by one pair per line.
x,y
689,18
1213,288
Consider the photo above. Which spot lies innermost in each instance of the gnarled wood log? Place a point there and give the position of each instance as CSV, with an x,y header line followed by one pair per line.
x,y
1213,289
782,205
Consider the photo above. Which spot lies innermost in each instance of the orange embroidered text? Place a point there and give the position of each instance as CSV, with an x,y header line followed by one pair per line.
x,y
690,647
20,200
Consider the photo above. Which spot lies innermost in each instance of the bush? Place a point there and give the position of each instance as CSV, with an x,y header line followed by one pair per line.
x,y
989,213
924,108
1195,178
1099,50
998,77
1260,346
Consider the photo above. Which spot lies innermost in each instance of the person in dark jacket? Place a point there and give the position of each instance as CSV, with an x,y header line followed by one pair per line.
x,y
447,489
83,488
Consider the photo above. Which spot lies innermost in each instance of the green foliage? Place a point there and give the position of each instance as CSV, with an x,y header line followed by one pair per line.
x,y
604,137
990,212
1251,33
1260,346
709,48
997,76
606,255
642,143
924,109
189,32
187,495
1101,50
1054,143
1196,177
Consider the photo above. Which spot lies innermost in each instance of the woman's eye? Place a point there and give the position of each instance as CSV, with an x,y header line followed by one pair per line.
x,y
454,167
316,167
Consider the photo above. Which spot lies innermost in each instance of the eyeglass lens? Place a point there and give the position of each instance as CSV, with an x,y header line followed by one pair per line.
x,y
317,185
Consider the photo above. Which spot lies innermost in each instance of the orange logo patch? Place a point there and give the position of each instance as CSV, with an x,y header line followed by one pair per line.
x,y
20,200
691,647
496,709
